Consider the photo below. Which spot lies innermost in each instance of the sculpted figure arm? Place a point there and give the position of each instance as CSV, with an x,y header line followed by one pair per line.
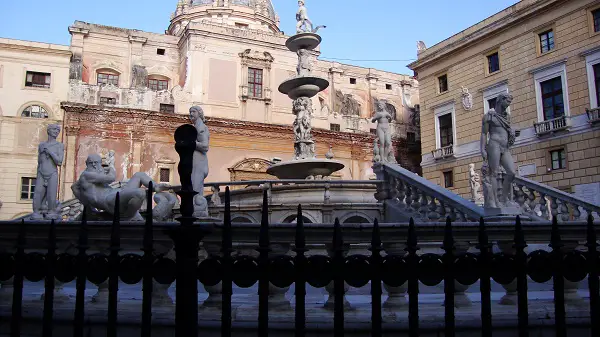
x,y
202,143
100,177
58,155
485,128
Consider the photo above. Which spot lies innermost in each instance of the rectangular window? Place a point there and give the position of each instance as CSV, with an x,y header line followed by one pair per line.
x,y
108,79
352,80
446,134
388,86
241,25
37,80
492,103
546,41
411,137
552,98
373,131
167,108
334,127
165,175
255,82
596,18
158,85
160,51
448,179
493,63
443,83
559,159
27,188
108,101
597,80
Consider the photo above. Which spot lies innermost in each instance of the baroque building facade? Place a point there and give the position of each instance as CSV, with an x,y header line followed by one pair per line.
x,y
127,90
546,54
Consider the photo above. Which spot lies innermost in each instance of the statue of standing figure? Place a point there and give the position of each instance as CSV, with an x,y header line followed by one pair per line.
x,y
497,137
200,161
304,67
475,184
304,24
384,134
304,144
50,157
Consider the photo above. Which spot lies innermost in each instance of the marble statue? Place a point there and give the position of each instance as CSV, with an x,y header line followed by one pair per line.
x,y
486,185
304,66
497,137
329,155
200,161
304,145
110,160
139,77
421,46
384,135
467,99
475,184
304,25
94,191
376,153
50,157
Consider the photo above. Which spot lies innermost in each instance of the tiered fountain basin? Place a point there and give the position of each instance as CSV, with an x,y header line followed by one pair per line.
x,y
307,41
306,86
305,168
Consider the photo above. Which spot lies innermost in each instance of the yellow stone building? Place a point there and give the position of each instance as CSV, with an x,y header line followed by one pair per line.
x,y
127,90
546,54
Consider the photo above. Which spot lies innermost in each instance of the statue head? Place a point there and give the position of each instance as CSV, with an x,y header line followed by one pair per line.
x,y
471,167
53,130
111,153
300,2
503,101
94,162
196,113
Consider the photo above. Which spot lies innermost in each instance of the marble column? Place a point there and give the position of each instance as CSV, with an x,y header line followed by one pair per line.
x,y
510,297
160,294
460,298
215,293
396,295
329,304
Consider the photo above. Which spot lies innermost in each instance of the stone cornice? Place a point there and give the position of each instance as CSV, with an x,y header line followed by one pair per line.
x,y
472,34
49,50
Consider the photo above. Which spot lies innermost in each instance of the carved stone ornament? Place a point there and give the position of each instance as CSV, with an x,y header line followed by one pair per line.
x,y
467,99
254,57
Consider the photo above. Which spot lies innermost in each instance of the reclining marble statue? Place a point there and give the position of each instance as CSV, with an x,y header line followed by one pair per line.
x,y
50,157
497,137
200,161
94,191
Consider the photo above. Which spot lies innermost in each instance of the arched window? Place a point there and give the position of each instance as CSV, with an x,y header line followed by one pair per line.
x,y
34,111
356,219
241,219
292,219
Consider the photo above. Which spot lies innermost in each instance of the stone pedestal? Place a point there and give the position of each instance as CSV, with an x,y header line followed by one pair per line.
x,y
6,291
59,294
277,299
396,295
160,294
460,297
214,299
511,297
101,295
329,304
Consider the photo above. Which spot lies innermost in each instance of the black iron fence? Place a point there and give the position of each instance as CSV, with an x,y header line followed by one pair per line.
x,y
301,269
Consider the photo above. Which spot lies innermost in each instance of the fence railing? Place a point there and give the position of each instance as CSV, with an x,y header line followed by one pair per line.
x,y
551,125
381,267
444,152
593,115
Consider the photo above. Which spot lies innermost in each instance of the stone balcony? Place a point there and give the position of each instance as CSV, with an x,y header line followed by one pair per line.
x,y
444,152
593,115
142,98
551,125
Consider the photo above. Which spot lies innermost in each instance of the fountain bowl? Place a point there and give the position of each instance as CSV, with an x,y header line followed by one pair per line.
x,y
305,168
306,86
307,41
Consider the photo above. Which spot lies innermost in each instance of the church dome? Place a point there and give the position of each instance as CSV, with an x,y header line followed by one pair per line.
x,y
242,14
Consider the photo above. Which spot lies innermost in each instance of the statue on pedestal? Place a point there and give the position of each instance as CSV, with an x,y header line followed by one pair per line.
x,y
304,25
93,191
475,184
497,137
200,161
50,157
304,144
384,135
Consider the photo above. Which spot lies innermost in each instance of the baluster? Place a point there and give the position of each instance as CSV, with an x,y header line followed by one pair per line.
x,y
520,195
16,318
442,211
226,281
263,267
452,213
376,261
148,261
424,208
300,262
401,194
543,206
81,276
113,271
485,283
593,281
558,280
448,258
576,211
327,195
531,200
433,210
521,266
415,200
409,197
49,282
412,260
393,188
338,281
563,211
553,207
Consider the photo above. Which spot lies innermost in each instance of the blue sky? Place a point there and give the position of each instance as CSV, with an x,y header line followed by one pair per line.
x,y
357,30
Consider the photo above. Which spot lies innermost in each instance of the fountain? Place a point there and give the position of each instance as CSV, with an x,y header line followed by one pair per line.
x,y
301,88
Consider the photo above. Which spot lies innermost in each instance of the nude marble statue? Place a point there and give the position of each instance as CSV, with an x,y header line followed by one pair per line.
x,y
384,135
200,161
94,191
497,137
304,67
304,24
50,157
475,184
